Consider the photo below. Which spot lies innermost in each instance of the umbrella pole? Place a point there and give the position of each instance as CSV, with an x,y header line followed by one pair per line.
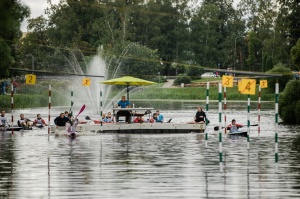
x,y
127,92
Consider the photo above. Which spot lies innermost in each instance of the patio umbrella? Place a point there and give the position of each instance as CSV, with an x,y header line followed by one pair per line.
x,y
128,81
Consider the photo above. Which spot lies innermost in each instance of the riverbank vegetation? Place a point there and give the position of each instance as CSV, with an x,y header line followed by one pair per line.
x,y
289,103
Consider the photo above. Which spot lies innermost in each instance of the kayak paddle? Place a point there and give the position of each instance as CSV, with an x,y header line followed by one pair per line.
x,y
216,128
81,110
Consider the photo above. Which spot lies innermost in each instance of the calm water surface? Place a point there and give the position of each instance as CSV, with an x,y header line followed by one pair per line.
x,y
35,165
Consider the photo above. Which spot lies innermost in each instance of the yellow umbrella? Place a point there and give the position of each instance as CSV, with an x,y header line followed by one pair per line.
x,y
128,81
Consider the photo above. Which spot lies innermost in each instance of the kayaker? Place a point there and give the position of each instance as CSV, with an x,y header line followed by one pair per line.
x,y
233,127
39,121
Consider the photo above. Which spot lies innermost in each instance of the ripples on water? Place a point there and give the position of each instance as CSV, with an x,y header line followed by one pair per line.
x,y
35,165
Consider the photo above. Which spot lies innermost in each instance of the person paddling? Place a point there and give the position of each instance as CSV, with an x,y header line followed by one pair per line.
x,y
39,121
233,127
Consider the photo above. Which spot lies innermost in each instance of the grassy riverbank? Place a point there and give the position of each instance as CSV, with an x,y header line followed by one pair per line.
x,y
155,92
196,93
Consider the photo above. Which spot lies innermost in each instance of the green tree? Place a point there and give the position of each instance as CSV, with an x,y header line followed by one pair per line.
x,y
295,54
290,12
12,13
136,60
6,59
289,103
286,77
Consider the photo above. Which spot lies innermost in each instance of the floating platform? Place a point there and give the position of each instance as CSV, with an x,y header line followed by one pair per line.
x,y
138,128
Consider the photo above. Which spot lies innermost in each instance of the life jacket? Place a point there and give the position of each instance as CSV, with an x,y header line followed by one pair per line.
x,y
22,120
233,128
3,120
39,121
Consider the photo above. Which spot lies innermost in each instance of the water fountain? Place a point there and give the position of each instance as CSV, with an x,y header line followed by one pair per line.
x,y
90,95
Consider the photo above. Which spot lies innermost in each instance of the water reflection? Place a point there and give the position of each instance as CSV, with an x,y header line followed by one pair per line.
x,y
35,165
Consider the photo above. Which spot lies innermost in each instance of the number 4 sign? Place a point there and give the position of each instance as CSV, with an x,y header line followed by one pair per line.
x,y
248,86
30,79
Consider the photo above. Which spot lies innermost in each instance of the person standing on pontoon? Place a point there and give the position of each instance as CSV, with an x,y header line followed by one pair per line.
x,y
123,103
3,120
61,120
233,127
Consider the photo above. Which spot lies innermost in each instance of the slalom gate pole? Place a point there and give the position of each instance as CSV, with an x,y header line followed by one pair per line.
x,y
248,122
49,107
220,127
276,124
224,111
101,108
207,103
12,108
72,93
259,106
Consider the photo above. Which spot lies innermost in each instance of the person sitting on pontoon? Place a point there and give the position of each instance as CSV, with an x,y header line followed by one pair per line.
x,y
233,127
3,120
23,122
138,119
153,119
39,121
159,117
123,103
108,118
200,116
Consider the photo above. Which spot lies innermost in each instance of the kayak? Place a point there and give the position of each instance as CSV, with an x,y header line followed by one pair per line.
x,y
15,128
238,133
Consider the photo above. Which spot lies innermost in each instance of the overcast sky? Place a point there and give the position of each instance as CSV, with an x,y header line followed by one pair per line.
x,y
37,8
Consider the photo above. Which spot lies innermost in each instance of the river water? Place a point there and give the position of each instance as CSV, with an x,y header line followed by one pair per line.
x,y
34,164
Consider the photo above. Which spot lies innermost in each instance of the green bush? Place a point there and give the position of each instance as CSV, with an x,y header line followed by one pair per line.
x,y
286,76
289,103
297,111
182,79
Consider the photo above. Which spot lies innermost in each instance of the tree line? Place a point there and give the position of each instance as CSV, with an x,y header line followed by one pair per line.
x,y
165,37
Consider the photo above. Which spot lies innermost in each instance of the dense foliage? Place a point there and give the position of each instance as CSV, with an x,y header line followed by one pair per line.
x,y
286,77
289,103
182,79
253,36
12,13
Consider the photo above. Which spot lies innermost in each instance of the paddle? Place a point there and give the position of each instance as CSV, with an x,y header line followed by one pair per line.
x,y
216,128
81,110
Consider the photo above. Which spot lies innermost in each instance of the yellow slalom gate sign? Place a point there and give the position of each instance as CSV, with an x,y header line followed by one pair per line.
x,y
86,82
248,86
227,81
263,83
30,79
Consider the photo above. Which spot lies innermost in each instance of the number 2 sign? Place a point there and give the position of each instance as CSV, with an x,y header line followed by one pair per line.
x,y
30,79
